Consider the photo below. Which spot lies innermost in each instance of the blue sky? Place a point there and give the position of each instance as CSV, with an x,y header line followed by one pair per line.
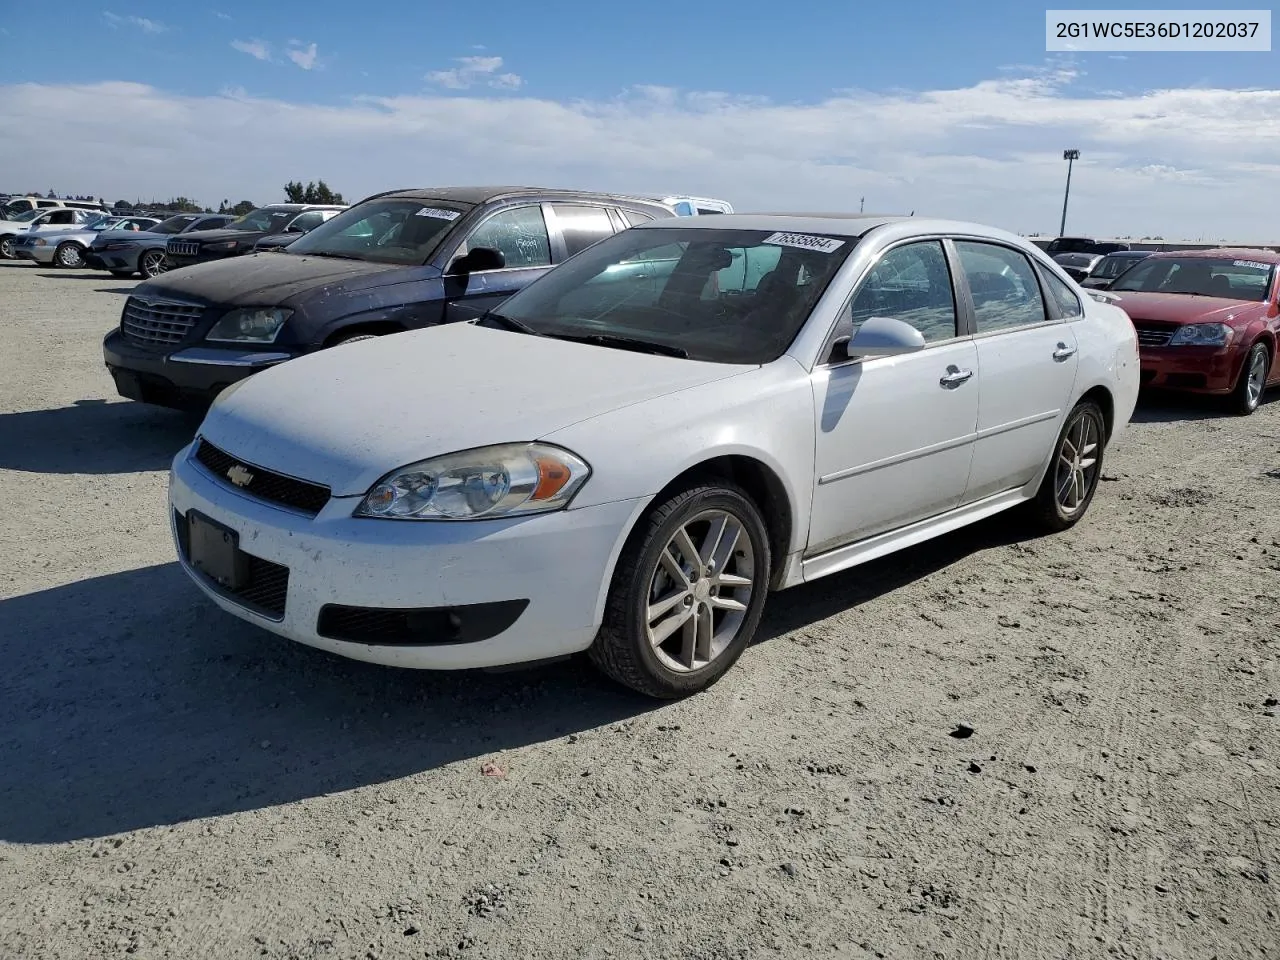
x,y
660,95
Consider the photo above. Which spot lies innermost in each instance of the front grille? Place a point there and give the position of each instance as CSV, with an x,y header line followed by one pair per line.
x,y
285,491
267,588
1151,335
158,322
183,248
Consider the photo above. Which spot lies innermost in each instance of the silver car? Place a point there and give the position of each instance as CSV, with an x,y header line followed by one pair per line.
x,y
67,248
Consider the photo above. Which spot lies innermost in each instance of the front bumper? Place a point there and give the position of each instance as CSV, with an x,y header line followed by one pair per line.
x,y
35,254
560,563
1193,369
176,262
186,379
117,261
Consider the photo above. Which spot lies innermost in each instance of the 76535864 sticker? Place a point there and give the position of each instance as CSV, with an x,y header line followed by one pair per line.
x,y
804,241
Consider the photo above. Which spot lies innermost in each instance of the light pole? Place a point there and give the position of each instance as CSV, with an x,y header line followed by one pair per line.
x,y
1071,156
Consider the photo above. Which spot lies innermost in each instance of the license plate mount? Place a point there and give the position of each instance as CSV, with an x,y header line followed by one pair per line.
x,y
214,550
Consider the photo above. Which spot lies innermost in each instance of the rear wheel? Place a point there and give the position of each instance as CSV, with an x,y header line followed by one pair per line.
x,y
152,263
6,248
1072,477
687,594
69,255
1253,380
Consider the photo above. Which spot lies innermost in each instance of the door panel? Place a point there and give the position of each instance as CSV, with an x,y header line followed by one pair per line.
x,y
1028,363
894,444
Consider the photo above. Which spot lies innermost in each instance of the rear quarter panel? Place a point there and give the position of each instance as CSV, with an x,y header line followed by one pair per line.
x,y
1108,346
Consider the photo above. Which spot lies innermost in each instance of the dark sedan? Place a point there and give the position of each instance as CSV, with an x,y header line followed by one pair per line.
x,y
126,253
1111,266
239,236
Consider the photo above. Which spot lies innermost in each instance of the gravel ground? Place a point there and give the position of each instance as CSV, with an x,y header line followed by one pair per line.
x,y
174,783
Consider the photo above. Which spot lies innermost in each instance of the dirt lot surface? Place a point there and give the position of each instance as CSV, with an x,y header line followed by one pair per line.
x,y
176,784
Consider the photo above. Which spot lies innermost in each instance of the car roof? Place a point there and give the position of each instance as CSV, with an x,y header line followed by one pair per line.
x,y
1129,253
1224,253
479,195
837,224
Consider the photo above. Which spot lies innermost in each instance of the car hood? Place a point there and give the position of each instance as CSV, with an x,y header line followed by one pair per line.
x,y
1181,309
269,279
110,236
213,236
345,417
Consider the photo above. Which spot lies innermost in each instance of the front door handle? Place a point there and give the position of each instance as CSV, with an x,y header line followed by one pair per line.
x,y
955,376
1064,352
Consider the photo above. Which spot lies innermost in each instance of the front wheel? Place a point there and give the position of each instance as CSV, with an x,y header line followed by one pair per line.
x,y
1253,380
69,255
1073,474
687,595
152,264
6,248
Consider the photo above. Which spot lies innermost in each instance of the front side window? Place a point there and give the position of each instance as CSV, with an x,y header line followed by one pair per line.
x,y
581,226
519,234
1003,285
725,296
391,230
62,217
911,283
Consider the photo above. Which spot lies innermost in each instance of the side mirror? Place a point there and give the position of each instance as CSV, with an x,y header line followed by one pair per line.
x,y
478,259
880,337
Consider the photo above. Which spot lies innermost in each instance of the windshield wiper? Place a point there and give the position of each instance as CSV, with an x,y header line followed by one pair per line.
x,y
625,343
511,323
323,253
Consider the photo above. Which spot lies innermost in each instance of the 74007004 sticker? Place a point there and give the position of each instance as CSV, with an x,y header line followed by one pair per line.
x,y
804,241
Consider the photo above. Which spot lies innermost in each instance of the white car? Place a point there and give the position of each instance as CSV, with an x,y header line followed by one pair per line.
x,y
42,221
635,449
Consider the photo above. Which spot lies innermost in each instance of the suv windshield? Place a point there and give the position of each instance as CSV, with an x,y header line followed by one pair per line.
x,y
394,230
727,296
265,220
173,224
1240,279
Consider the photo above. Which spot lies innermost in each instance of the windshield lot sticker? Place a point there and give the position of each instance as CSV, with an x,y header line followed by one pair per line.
x,y
438,214
804,241
1251,263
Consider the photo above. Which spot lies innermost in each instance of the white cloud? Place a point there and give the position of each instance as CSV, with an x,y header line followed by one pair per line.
x,y
305,57
258,49
1197,162
221,16
114,21
475,70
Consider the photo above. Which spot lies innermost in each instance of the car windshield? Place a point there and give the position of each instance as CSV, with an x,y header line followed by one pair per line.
x,y
725,295
26,216
1075,259
392,230
265,220
1110,267
1234,279
173,225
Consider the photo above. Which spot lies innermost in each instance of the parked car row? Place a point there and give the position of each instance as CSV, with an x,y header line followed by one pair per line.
x,y
604,426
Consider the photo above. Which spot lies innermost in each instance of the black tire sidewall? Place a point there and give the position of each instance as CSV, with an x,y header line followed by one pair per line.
x,y
635,605
1087,409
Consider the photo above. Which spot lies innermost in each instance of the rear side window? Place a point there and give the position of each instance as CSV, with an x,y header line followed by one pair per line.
x,y
581,226
1067,302
1004,288
635,219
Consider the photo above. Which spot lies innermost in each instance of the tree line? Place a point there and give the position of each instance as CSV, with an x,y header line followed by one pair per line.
x,y
294,192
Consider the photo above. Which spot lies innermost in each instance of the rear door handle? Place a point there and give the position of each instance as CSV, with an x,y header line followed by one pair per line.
x,y
1064,352
955,376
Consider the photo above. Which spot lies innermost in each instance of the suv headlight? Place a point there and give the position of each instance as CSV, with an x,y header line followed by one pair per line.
x,y
254,325
505,480
1201,335
221,245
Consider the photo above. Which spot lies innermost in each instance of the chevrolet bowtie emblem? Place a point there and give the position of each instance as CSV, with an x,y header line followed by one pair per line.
x,y
239,476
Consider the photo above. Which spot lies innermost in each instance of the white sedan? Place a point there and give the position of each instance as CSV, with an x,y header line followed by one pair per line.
x,y
630,453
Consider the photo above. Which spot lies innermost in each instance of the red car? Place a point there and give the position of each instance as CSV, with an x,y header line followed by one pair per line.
x,y
1207,321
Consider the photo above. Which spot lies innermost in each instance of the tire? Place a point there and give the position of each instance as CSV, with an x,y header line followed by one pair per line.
x,y
152,263
1072,478
1252,384
685,660
69,256
6,247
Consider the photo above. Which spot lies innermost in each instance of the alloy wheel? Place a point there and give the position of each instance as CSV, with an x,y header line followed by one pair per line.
x,y
1257,375
1077,464
154,263
69,255
6,248
700,591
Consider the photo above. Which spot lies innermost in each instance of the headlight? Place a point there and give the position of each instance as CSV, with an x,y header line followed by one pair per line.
x,y
39,243
255,325
224,245
510,479
1201,335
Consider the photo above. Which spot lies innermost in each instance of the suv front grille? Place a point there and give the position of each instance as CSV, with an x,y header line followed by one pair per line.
x,y
1153,335
285,491
183,248
158,322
